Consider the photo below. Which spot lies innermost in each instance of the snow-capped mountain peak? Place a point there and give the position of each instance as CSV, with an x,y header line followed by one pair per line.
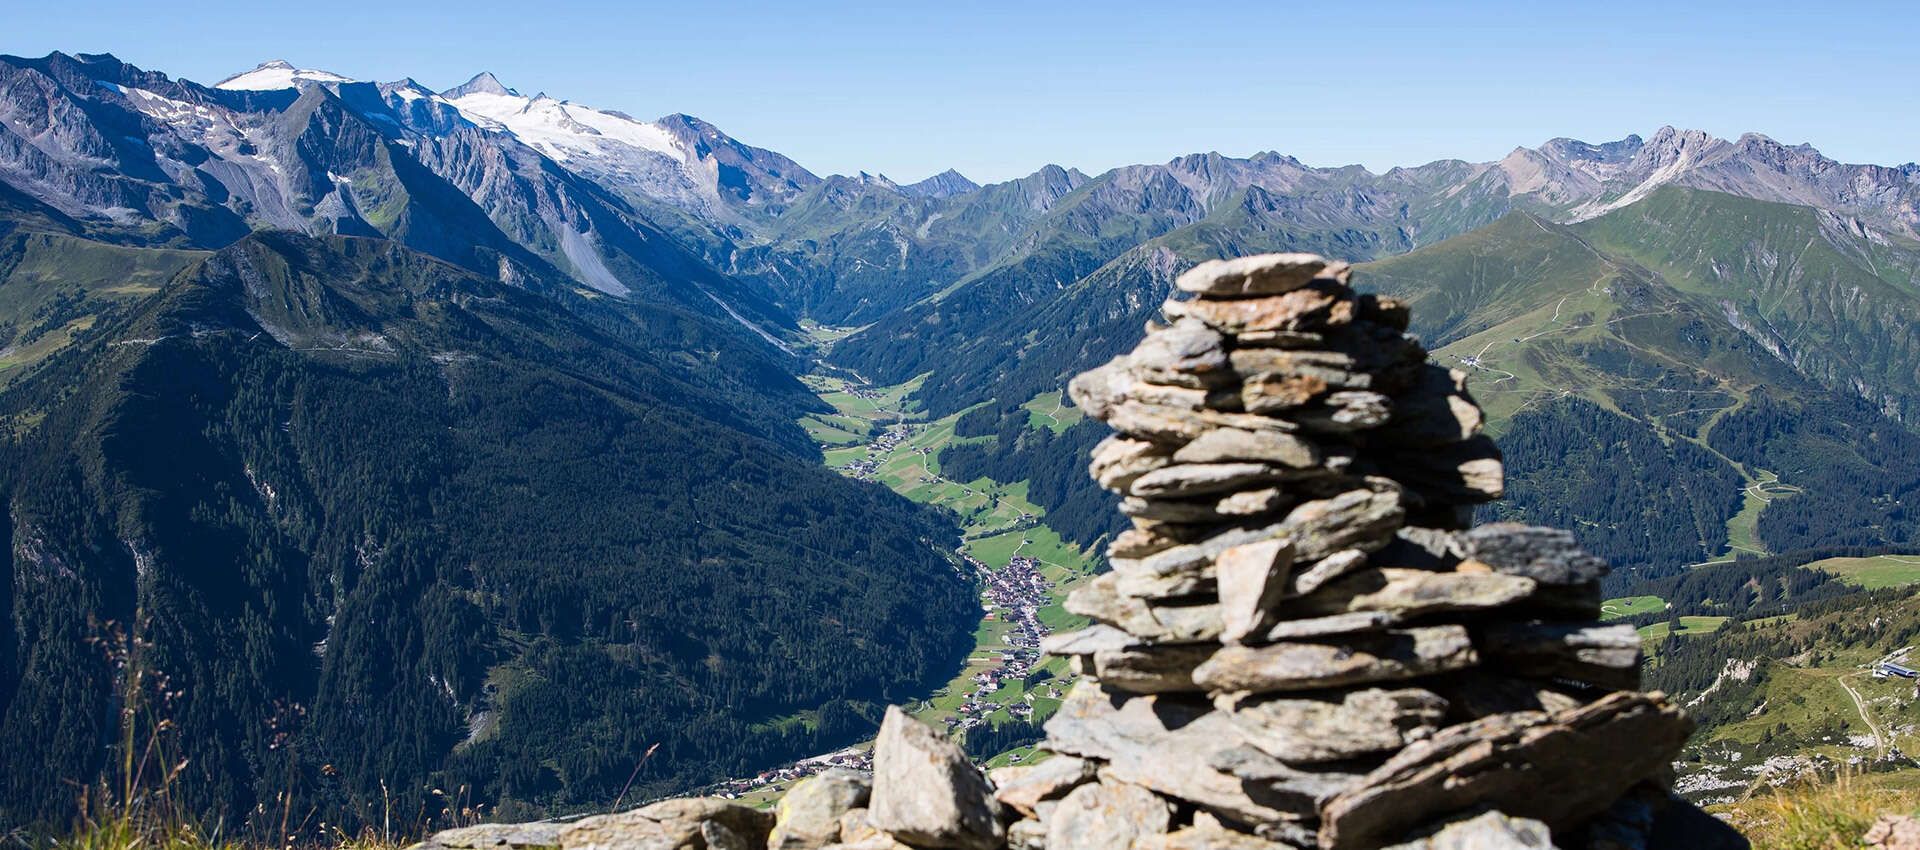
x,y
279,74
482,83
563,130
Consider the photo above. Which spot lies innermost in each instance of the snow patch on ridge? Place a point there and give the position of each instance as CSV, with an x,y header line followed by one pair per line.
x,y
563,130
278,74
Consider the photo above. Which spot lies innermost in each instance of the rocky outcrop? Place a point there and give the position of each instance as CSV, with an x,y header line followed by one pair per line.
x,y
1300,642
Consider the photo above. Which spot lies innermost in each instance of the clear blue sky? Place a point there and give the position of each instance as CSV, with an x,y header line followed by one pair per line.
x,y
999,89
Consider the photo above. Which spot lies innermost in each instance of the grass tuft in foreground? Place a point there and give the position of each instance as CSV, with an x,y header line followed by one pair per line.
x,y
1826,815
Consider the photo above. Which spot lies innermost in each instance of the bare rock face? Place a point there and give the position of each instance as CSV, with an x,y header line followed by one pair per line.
x,y
808,817
685,824
926,792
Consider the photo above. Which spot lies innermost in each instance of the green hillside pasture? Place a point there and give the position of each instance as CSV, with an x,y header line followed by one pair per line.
x,y
1631,606
1689,626
1049,411
1874,573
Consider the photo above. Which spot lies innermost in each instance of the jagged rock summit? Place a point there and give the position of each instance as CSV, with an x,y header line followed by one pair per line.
x,y
1301,642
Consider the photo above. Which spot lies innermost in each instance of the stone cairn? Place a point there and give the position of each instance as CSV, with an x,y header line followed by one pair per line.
x,y
1300,644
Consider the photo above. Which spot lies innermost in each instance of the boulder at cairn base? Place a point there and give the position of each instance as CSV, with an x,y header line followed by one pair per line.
x,y
541,835
925,791
696,823
808,817
1559,768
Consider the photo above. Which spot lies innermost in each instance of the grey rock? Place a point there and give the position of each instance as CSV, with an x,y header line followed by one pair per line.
x,y
1025,787
1249,764
1546,555
1151,669
1211,837
1101,600
1252,578
1179,425
1317,306
1332,662
927,793
1436,411
1027,835
683,824
1163,742
1117,461
1334,726
1346,411
1469,471
1357,519
1280,339
1262,274
1324,570
1279,393
1607,656
1333,369
1480,693
1486,831
541,835
1087,641
856,826
1191,479
1187,354
808,816
1337,624
1135,543
1410,593
1559,768
1232,444
1106,814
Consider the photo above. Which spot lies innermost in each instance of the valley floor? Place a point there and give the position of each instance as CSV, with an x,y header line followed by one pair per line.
x,y
1024,567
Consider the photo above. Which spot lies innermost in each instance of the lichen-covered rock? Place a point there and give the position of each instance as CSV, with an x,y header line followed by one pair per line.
x,y
927,793
1106,814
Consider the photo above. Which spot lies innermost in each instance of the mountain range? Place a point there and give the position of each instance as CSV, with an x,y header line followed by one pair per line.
x,y
440,431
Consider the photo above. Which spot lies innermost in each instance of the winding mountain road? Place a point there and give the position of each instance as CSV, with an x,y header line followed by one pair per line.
x,y
1860,705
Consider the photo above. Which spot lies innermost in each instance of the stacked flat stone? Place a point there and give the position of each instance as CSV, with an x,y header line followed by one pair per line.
x,y
1299,636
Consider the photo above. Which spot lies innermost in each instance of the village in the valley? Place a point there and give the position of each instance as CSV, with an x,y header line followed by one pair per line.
x,y
1004,677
